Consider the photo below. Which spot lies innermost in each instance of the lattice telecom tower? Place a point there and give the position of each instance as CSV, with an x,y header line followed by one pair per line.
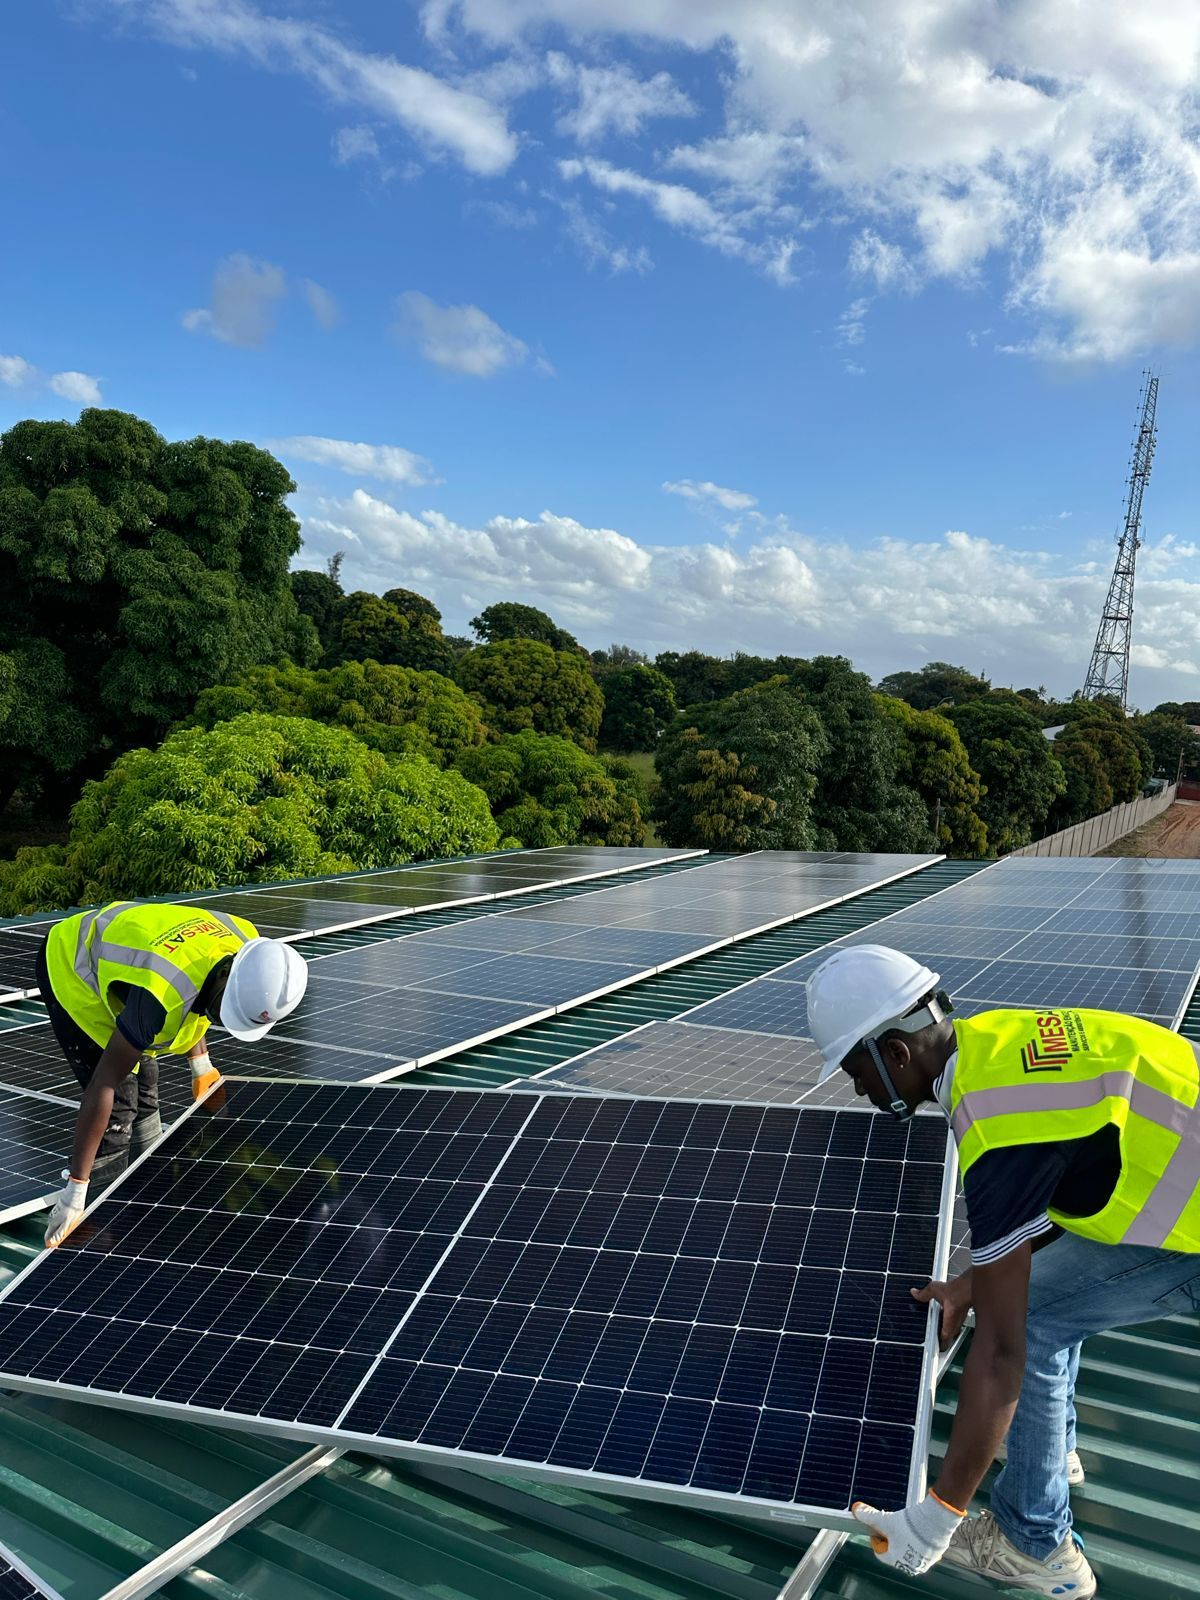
x,y
1108,673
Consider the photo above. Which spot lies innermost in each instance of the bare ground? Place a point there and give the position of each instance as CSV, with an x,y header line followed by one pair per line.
x,y
1174,834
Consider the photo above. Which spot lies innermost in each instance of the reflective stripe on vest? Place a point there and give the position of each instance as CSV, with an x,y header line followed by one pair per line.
x,y
1028,1077
166,949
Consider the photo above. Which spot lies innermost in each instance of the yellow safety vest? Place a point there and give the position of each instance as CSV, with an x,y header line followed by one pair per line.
x,y
169,950
1028,1077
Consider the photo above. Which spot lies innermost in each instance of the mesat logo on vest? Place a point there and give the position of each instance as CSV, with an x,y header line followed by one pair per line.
x,y
1059,1034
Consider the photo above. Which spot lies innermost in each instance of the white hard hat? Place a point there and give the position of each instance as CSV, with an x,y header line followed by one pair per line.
x,y
859,993
266,982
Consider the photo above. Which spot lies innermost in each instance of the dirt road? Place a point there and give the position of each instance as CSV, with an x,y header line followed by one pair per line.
x,y
1175,834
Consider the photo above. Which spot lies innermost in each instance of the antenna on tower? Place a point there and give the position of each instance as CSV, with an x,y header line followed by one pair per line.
x,y
1108,673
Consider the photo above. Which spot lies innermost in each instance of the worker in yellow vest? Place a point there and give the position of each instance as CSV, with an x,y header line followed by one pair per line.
x,y
130,982
1078,1138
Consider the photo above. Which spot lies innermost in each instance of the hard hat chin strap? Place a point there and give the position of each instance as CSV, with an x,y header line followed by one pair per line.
x,y
914,1022
899,1108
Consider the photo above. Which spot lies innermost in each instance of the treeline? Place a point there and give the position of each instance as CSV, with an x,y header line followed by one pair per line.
x,y
203,716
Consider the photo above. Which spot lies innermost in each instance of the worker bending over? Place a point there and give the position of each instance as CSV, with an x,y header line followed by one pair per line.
x,y
130,982
1078,1139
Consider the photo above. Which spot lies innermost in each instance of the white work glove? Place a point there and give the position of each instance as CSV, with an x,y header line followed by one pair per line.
x,y
68,1210
911,1540
204,1075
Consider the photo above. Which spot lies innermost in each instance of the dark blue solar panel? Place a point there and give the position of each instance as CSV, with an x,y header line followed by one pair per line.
x,y
701,1297
17,1581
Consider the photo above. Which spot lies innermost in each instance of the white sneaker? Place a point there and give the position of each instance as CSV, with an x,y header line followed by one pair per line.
x,y
1075,1472
979,1545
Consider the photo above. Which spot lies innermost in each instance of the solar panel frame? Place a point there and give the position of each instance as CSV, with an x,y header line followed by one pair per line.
x,y
279,900
443,1018
20,1582
1026,983
773,1510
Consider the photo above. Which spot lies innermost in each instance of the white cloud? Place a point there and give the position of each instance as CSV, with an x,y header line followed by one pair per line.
x,y
873,257
78,387
439,115
712,493
16,372
504,213
945,133
597,245
462,338
853,369
613,99
852,324
1016,614
690,212
244,293
321,303
355,144
387,463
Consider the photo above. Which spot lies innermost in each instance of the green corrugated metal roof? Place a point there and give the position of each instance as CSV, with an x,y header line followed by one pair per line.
x,y
87,1495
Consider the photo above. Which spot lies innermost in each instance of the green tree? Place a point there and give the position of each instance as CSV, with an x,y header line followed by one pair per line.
x,y
1167,738
133,573
741,773
615,658
397,629
394,709
319,597
1087,791
508,619
935,683
546,791
861,802
639,702
253,799
1016,763
933,761
521,684
698,678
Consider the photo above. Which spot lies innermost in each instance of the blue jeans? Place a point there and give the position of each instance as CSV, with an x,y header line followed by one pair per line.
x,y
1077,1287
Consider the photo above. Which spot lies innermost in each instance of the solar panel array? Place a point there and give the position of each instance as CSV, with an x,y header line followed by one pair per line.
x,y
305,908
1120,935
18,1582
379,1010
700,1301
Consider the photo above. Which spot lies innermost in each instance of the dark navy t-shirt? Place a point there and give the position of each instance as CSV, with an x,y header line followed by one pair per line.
x,y
1009,1191
141,1017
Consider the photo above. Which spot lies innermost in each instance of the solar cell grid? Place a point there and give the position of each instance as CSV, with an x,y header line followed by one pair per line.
x,y
378,1010
697,1300
1128,955
304,908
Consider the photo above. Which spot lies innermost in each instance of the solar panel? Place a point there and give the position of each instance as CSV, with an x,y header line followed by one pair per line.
x,y
379,1010
705,1302
19,1582
302,909
1000,939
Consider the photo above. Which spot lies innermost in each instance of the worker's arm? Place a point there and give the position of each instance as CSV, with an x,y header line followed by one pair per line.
x,y
992,1375
913,1539
118,1061
954,1298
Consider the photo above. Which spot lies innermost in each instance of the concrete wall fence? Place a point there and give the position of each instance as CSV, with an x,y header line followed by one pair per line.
x,y
1085,838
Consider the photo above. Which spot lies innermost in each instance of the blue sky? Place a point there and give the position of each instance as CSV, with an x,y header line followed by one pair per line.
x,y
768,326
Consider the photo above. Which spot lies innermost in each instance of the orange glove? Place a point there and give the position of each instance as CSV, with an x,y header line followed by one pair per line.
x,y
204,1075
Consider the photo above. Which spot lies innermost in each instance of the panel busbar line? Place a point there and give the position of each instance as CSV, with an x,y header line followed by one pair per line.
x,y
1010,936
380,1010
446,989
307,907
698,1301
